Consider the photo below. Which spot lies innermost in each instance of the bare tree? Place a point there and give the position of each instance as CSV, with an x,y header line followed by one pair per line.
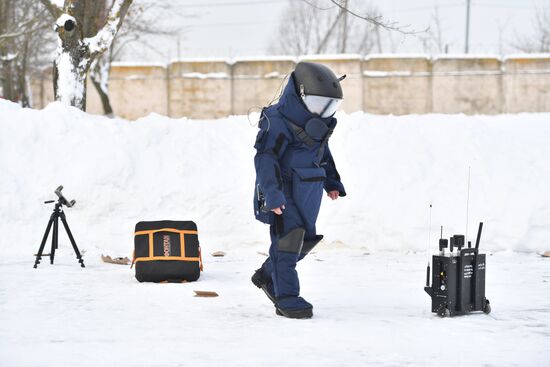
x,y
433,40
24,47
76,51
303,30
539,41
143,21
306,27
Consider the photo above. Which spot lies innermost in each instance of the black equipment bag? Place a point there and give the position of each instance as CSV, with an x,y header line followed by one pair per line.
x,y
167,251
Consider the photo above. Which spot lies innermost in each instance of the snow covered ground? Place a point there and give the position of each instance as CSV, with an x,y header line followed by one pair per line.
x,y
369,309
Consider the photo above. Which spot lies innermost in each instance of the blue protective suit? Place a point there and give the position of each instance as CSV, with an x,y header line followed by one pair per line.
x,y
292,173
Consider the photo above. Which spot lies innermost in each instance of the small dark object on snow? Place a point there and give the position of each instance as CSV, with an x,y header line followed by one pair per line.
x,y
205,294
218,254
54,222
545,254
117,260
458,282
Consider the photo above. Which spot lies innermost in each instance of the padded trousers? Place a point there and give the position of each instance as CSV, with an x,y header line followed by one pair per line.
x,y
291,241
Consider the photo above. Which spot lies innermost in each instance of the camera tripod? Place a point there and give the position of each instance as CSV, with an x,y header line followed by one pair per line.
x,y
54,221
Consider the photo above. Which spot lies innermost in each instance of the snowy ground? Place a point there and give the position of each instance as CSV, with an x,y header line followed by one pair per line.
x,y
369,309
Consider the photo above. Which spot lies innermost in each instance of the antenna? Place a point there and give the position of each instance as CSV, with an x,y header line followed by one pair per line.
x,y
468,203
442,244
479,234
428,247
430,226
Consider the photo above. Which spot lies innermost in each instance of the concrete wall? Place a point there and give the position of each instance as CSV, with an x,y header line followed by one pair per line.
x,y
526,84
199,89
397,86
467,85
134,90
257,82
381,84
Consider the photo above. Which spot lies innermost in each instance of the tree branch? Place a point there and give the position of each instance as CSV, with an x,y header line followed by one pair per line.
x,y
54,10
6,36
104,38
377,20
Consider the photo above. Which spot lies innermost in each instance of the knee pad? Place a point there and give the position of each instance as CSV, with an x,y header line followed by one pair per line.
x,y
309,245
292,242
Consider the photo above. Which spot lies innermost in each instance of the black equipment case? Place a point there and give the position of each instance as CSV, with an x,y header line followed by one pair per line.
x,y
167,251
458,282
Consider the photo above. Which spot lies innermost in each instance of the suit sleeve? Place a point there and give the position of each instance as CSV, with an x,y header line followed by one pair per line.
x,y
332,181
271,144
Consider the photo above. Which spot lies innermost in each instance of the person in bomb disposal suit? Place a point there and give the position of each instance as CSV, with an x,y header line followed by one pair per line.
x,y
293,165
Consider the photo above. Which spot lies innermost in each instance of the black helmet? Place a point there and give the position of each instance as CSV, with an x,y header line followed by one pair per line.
x,y
318,87
317,80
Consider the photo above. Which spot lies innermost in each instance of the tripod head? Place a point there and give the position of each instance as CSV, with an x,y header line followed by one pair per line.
x,y
61,199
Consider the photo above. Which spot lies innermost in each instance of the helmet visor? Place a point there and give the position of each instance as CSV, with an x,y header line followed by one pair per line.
x,y
322,106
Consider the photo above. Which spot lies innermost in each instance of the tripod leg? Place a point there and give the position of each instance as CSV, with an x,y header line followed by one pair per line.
x,y
75,248
54,237
43,243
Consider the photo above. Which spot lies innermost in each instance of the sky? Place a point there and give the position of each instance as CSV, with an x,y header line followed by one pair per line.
x,y
235,28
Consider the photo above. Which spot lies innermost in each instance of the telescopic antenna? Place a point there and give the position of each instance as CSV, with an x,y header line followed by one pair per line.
x,y
428,247
468,203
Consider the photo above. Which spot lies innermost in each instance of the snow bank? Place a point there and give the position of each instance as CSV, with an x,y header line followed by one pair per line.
x,y
121,172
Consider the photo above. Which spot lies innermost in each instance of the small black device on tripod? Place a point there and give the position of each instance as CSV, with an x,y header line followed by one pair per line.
x,y
54,221
458,281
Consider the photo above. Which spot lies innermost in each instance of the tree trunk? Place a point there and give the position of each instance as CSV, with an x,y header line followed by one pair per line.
x,y
71,64
99,75
6,78
75,52
343,45
23,90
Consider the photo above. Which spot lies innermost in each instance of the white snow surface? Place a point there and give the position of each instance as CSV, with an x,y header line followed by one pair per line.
x,y
59,3
397,56
121,172
205,75
527,56
365,280
369,310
